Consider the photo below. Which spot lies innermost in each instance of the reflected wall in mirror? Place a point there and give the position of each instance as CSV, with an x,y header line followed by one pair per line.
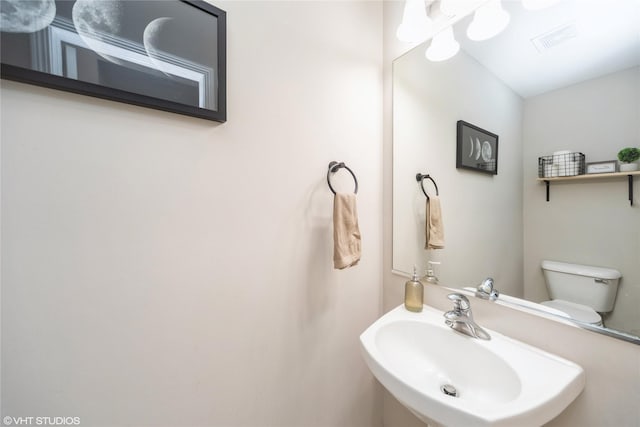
x,y
580,94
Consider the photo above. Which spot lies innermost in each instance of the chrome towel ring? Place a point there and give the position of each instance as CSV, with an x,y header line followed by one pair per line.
x,y
420,178
333,168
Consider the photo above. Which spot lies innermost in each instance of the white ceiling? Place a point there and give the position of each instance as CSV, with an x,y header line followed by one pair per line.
x,y
608,40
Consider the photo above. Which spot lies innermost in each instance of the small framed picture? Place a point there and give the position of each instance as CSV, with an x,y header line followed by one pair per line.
x,y
608,166
477,149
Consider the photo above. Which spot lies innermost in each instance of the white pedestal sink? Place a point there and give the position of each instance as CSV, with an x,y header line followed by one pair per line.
x,y
447,378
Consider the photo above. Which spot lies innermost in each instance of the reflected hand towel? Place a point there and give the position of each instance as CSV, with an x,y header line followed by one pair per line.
x,y
434,227
346,233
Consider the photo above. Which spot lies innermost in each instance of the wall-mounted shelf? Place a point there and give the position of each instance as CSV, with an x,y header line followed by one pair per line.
x,y
592,176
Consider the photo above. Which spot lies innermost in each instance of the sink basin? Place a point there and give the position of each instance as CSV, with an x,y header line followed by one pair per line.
x,y
447,378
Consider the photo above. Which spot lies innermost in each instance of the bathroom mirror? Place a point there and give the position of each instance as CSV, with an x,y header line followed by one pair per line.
x,y
566,77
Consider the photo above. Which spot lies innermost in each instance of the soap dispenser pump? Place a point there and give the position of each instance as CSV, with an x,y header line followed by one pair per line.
x,y
413,293
431,277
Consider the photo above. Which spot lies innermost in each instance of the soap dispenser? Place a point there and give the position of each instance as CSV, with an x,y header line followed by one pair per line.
x,y
413,293
431,277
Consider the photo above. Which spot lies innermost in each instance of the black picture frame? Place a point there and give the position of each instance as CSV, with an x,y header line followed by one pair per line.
x,y
167,55
477,149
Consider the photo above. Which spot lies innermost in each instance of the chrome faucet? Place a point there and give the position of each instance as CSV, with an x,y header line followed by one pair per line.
x,y
486,291
461,319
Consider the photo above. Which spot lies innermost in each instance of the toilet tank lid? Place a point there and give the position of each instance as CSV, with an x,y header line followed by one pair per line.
x,y
581,270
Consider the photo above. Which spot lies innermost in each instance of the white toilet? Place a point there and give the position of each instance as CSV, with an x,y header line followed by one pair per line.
x,y
581,291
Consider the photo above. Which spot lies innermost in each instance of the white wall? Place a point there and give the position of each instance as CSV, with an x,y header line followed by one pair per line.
x,y
613,379
165,270
482,213
590,222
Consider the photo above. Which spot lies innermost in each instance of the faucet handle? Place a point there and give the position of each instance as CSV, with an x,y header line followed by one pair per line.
x,y
460,302
486,291
486,285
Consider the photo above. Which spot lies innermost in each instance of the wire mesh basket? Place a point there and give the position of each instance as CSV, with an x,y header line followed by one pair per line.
x,y
561,163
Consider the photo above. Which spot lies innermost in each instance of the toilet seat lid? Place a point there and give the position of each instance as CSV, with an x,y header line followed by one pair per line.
x,y
579,312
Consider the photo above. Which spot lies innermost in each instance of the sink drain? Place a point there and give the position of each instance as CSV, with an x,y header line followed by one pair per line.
x,y
449,390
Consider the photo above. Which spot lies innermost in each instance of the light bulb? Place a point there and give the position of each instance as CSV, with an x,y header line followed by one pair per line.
x,y
538,4
416,25
488,21
443,46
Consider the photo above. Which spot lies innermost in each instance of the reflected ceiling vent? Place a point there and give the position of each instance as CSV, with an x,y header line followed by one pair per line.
x,y
555,37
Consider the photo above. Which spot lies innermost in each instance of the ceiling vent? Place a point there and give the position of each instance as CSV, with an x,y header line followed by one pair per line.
x,y
555,37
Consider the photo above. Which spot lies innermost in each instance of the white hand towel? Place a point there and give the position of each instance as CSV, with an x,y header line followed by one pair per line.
x,y
346,233
434,227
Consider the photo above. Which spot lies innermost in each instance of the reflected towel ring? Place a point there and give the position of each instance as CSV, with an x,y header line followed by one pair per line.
x,y
333,168
420,178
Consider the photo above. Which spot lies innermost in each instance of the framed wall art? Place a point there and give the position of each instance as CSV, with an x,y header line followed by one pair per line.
x,y
477,149
164,54
608,166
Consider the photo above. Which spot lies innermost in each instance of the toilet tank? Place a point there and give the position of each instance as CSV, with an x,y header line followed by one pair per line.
x,y
595,287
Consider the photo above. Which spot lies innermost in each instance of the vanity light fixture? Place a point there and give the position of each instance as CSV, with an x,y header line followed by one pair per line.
x,y
416,24
452,7
443,46
538,4
488,21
